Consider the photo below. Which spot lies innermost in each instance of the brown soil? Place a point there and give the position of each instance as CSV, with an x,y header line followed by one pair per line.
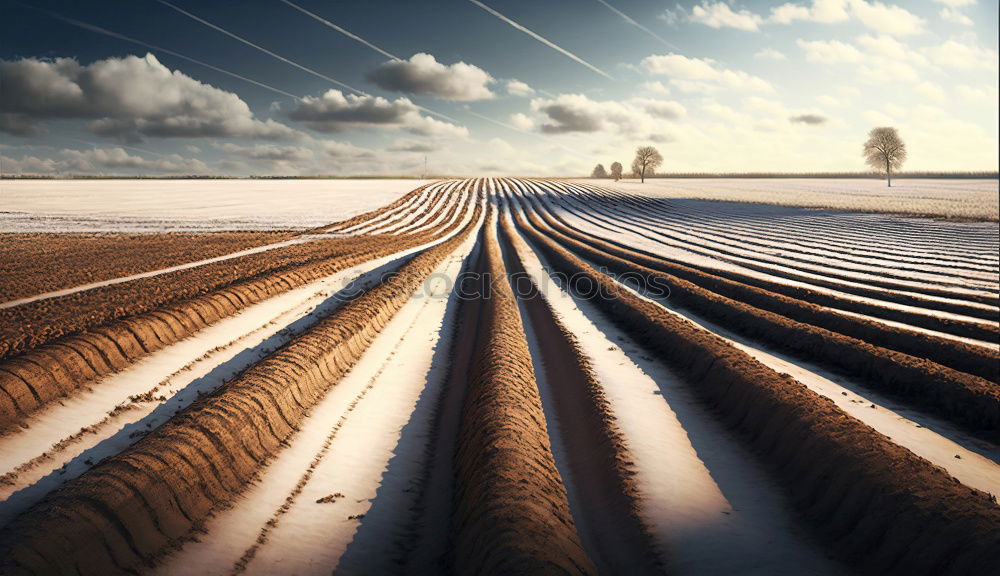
x,y
888,510
510,512
37,263
602,473
30,380
119,516
964,398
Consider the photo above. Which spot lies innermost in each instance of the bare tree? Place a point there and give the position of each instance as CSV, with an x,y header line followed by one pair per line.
x,y
616,171
599,172
647,160
885,151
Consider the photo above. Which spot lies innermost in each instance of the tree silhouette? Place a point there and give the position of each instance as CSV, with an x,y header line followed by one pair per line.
x,y
616,171
885,151
647,160
599,172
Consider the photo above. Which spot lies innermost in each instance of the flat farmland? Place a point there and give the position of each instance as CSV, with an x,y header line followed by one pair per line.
x,y
961,199
499,375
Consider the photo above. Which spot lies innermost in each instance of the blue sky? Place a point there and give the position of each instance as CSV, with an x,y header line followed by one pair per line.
x,y
717,86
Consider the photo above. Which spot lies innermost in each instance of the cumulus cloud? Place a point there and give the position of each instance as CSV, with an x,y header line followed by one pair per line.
x,y
102,160
638,117
423,74
702,74
820,11
269,152
414,146
830,52
518,88
720,15
810,119
521,121
336,112
128,98
955,17
887,18
956,3
957,55
880,17
770,54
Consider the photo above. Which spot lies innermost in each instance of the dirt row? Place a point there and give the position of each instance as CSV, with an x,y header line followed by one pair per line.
x,y
119,516
510,513
986,332
715,235
378,212
869,288
886,509
601,465
808,307
39,263
838,232
969,400
880,278
32,379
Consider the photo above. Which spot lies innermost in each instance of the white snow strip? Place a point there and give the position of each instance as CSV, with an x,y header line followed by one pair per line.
x,y
312,537
709,504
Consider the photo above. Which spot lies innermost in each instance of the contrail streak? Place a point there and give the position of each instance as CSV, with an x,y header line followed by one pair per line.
x,y
631,21
261,48
155,48
347,33
548,43
290,62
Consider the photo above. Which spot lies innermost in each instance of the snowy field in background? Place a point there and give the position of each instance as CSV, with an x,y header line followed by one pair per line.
x,y
976,199
188,205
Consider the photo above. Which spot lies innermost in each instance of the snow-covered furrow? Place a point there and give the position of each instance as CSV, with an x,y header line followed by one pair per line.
x,y
334,495
430,213
787,245
392,215
710,506
971,460
65,439
424,207
152,273
897,226
439,212
841,228
693,254
819,264
709,265
811,280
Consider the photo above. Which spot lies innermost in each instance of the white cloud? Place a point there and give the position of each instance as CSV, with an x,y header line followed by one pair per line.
x,y
720,15
656,87
830,52
518,88
127,98
770,54
423,74
887,18
821,11
702,74
103,160
960,56
931,91
637,117
521,121
955,17
986,95
956,3
336,112
880,17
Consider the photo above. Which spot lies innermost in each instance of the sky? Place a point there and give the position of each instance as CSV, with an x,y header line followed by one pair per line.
x,y
492,87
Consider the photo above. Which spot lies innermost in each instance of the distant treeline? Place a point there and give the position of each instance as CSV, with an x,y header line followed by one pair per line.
x,y
860,175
